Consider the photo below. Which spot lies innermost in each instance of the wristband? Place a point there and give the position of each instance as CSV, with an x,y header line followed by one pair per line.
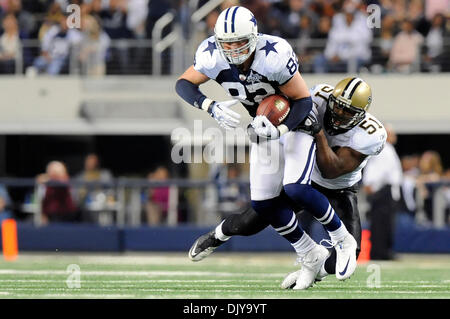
x,y
283,129
207,105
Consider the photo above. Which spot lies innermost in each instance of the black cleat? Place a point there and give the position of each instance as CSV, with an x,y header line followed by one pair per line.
x,y
204,246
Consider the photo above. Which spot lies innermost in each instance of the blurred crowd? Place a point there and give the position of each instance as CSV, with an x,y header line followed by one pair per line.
x,y
412,180
92,195
421,174
328,35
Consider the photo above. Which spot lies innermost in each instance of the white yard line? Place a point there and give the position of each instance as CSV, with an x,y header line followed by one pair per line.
x,y
137,273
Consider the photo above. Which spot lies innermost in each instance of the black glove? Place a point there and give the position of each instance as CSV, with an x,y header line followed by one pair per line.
x,y
309,125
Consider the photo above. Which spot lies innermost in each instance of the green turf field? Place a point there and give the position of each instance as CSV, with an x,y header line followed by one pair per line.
x,y
222,275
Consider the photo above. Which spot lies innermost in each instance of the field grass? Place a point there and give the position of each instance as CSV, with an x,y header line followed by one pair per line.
x,y
222,275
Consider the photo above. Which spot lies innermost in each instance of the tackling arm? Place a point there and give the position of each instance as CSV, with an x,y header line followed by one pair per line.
x,y
334,164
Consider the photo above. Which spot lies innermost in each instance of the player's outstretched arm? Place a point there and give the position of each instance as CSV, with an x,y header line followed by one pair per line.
x,y
187,87
334,164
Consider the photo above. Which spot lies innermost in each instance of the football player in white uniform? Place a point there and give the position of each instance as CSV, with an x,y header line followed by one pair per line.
x,y
350,136
250,67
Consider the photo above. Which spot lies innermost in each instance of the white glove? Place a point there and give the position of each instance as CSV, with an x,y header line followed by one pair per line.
x,y
226,118
264,128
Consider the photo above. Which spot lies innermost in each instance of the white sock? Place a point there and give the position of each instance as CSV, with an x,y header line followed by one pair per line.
x,y
339,234
304,245
219,234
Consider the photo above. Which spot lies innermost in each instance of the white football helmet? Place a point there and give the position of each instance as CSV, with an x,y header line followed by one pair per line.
x,y
233,25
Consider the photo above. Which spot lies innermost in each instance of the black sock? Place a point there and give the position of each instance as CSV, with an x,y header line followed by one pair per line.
x,y
246,223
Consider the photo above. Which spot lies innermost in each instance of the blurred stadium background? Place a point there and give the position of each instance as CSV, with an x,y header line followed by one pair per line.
x,y
87,116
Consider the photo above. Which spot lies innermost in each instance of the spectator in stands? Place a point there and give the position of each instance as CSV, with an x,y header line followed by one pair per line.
x,y
53,17
94,47
10,47
286,18
157,203
93,195
404,55
114,23
56,48
416,14
410,167
57,202
397,8
382,178
348,42
93,173
156,9
431,171
386,39
136,18
233,196
434,41
26,20
433,7
114,19
325,8
323,28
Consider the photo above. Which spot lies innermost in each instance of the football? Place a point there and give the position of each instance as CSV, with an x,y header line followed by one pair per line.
x,y
275,108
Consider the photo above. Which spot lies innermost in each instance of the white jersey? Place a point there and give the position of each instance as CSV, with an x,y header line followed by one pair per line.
x,y
274,64
368,137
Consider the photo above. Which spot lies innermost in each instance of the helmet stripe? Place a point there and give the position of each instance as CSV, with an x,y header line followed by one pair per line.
x,y
346,87
232,19
349,89
354,89
226,17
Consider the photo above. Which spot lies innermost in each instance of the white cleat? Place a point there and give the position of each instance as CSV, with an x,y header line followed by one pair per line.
x,y
290,279
321,274
311,264
345,257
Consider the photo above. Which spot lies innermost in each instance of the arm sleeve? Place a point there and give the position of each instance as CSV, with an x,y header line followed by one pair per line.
x,y
190,92
299,111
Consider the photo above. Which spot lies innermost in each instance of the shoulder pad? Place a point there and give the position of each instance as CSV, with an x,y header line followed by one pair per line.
x,y
320,93
208,59
369,136
275,59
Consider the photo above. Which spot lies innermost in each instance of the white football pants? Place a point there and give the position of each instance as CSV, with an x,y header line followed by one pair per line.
x,y
279,162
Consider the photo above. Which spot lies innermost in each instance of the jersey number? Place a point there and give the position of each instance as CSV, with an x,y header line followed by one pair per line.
x,y
325,89
370,127
260,89
292,64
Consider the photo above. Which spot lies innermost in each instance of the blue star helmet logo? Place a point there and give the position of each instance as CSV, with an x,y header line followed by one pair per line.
x,y
269,47
253,20
211,47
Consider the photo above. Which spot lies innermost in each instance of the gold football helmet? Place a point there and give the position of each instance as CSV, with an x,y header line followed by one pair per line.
x,y
348,103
